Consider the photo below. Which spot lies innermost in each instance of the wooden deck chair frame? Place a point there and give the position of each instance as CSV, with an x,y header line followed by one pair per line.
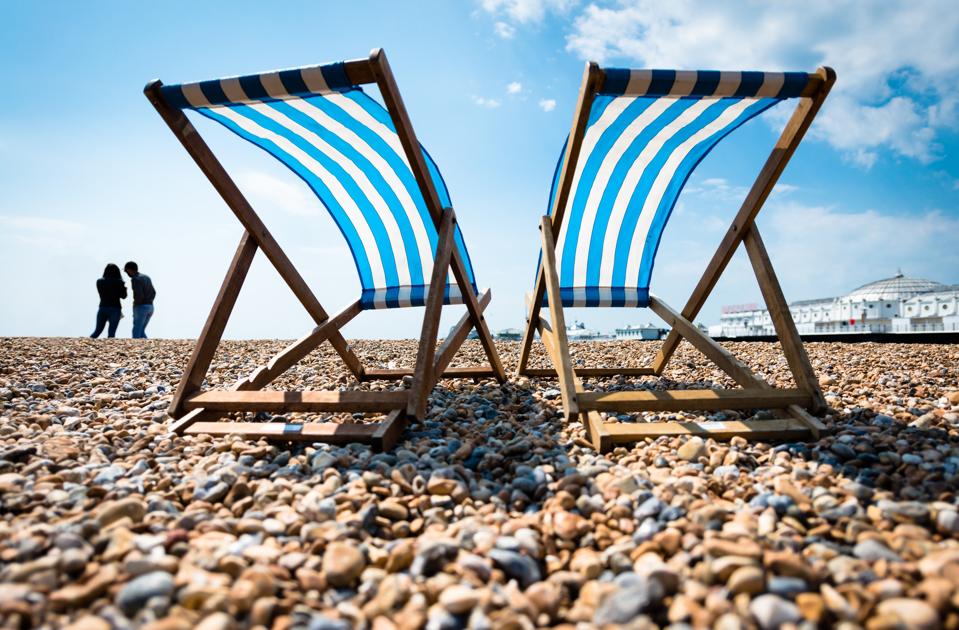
x,y
799,404
196,412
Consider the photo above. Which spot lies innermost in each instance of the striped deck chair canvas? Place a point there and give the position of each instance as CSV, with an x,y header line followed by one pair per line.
x,y
386,196
637,135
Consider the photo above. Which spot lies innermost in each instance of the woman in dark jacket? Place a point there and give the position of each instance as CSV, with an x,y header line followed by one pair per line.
x,y
111,290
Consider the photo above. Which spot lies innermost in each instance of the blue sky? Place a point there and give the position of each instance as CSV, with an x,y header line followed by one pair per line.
x,y
89,174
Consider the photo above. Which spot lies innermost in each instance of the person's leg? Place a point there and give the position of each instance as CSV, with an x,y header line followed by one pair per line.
x,y
137,317
101,322
147,315
114,322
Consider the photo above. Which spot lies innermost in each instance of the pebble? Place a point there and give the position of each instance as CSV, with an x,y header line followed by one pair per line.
x,y
342,564
138,592
692,449
517,566
490,513
911,613
872,550
459,599
636,595
772,612
747,579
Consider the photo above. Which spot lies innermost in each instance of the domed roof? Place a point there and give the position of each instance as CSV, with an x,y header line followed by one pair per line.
x,y
894,288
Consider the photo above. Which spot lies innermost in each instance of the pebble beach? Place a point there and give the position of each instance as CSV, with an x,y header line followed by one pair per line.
x,y
491,513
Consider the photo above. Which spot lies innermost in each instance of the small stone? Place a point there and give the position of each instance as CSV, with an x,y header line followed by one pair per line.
x,y
441,486
88,622
546,597
342,564
212,493
748,579
135,594
623,605
75,595
73,561
811,607
872,550
569,526
837,604
692,449
947,522
459,600
517,566
393,510
772,612
400,556
252,584
216,621
132,508
911,613
586,562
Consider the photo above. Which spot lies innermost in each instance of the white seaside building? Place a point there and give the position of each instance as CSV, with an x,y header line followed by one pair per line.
x,y
647,332
893,305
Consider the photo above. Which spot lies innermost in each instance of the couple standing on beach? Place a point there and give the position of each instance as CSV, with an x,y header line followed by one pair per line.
x,y
112,289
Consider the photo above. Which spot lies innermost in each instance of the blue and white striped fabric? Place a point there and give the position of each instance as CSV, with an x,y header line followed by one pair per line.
x,y
343,144
647,131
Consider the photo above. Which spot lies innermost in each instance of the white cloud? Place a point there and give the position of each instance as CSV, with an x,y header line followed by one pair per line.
x,y
547,104
268,191
852,248
716,188
514,88
897,63
489,103
525,11
504,30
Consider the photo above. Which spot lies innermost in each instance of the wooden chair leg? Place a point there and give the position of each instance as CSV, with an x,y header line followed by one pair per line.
x,y
783,322
455,340
422,374
564,366
212,332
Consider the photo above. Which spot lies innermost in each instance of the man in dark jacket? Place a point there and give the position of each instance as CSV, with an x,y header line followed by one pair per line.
x,y
143,294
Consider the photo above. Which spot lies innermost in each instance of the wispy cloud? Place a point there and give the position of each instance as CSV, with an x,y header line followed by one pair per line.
x,y
547,104
488,103
898,63
525,11
272,192
514,88
504,30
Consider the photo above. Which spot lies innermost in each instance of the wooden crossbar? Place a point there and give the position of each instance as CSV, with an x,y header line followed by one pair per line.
x,y
381,435
307,431
277,401
459,334
628,432
691,399
473,371
592,371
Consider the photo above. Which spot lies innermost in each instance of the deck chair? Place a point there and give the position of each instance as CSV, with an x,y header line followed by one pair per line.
x,y
636,137
388,199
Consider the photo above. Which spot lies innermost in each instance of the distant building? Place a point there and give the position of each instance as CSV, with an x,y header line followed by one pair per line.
x,y
577,331
893,305
472,334
509,334
647,332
